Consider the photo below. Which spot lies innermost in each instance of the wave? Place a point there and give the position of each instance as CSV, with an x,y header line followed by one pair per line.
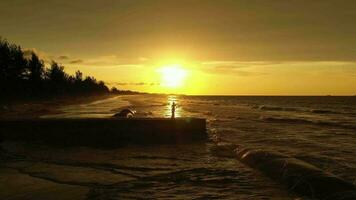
x,y
298,176
319,111
223,149
217,120
315,111
276,108
285,120
306,121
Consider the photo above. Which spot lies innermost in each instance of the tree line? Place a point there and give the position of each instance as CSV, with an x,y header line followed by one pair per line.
x,y
26,77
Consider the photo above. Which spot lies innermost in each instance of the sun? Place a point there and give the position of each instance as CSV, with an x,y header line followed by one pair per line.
x,y
173,76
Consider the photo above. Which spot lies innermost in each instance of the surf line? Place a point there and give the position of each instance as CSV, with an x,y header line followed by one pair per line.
x,y
298,176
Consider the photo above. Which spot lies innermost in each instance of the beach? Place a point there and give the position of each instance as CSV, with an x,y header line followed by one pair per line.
x,y
317,130
37,108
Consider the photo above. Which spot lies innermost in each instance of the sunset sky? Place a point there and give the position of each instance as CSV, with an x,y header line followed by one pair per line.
x,y
224,47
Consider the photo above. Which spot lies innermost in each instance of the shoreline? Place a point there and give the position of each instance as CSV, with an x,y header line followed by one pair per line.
x,y
37,108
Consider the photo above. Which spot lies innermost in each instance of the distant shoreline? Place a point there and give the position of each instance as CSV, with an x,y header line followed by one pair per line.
x,y
37,108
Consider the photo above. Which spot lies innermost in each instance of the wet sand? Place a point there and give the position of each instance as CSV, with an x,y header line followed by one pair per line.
x,y
37,108
21,184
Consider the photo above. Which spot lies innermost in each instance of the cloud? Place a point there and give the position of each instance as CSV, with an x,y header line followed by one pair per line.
x,y
310,68
109,61
232,70
76,61
48,58
42,55
237,68
239,63
143,59
63,57
133,83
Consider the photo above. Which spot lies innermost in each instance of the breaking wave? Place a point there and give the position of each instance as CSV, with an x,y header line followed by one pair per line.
x,y
293,109
276,108
307,121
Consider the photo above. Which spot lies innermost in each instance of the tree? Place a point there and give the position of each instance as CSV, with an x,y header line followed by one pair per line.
x,y
27,78
4,59
36,69
56,73
17,65
78,76
12,62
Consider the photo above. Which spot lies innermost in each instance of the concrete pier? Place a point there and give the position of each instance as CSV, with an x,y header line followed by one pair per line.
x,y
105,131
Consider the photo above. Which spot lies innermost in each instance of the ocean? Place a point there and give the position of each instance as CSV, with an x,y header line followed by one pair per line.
x,y
319,130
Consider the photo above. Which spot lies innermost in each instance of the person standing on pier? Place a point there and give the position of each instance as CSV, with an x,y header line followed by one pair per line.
x,y
174,105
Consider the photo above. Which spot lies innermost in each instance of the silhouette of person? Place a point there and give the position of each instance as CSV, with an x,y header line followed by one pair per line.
x,y
174,105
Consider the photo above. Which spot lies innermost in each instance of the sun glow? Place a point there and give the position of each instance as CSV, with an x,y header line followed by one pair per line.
x,y
173,76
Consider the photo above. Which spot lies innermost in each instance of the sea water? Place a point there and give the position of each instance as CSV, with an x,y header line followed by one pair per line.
x,y
317,130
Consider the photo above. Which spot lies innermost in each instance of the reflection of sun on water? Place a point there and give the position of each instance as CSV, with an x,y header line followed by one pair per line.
x,y
168,111
173,76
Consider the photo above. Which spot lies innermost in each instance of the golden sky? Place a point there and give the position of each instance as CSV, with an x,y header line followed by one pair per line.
x,y
225,47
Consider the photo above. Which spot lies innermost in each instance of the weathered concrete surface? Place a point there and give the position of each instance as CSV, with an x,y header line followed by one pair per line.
x,y
107,131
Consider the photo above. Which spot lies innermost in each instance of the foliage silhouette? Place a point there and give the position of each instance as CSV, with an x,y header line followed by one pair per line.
x,y
28,78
